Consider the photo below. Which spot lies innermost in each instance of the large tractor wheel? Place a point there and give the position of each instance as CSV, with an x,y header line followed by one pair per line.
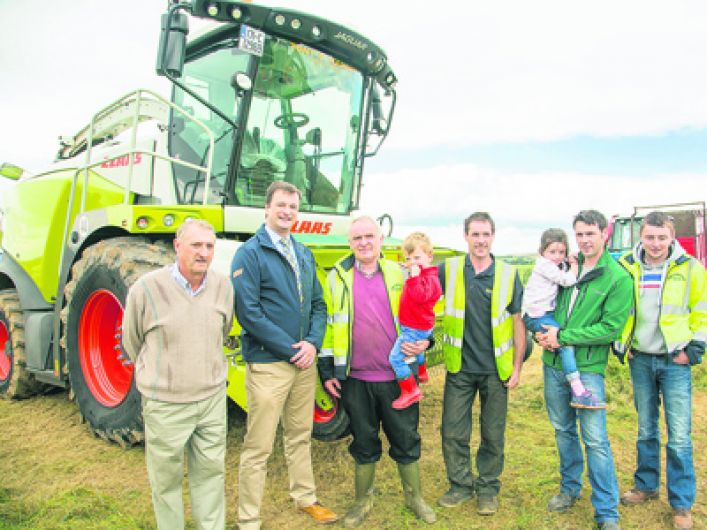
x,y
330,419
15,380
102,385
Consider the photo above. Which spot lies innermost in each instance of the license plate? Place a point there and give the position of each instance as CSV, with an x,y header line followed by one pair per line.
x,y
251,40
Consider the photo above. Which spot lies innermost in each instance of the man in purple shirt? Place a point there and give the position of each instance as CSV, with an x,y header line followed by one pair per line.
x,y
362,294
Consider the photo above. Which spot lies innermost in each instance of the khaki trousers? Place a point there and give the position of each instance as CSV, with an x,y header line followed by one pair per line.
x,y
200,427
276,392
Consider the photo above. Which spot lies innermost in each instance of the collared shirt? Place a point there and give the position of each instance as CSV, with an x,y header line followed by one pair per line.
x,y
184,283
276,238
359,268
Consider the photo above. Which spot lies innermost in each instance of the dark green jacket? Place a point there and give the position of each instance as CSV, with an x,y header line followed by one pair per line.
x,y
604,301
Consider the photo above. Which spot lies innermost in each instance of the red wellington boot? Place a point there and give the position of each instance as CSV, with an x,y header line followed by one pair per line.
x,y
422,374
409,393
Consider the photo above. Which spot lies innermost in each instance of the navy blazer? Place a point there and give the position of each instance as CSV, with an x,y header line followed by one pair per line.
x,y
267,301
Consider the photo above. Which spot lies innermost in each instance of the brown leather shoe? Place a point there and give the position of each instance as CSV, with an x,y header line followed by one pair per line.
x,y
682,520
634,496
319,513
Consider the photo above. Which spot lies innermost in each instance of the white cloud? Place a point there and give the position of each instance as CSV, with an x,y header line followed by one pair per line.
x,y
473,72
438,199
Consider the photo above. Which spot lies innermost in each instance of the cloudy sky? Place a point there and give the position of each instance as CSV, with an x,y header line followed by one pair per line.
x,y
529,110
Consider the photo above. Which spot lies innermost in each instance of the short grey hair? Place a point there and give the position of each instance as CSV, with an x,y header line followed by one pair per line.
x,y
191,222
366,218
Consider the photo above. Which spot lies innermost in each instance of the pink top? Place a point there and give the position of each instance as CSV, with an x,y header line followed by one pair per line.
x,y
541,290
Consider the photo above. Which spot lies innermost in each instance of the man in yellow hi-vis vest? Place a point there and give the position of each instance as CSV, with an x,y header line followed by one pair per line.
x,y
362,294
484,345
663,338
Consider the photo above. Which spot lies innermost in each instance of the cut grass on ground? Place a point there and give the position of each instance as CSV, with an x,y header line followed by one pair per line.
x,y
56,475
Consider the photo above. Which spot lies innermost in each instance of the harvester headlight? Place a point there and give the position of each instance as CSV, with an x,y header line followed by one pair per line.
x,y
296,23
236,13
280,20
168,219
317,31
370,57
212,9
142,222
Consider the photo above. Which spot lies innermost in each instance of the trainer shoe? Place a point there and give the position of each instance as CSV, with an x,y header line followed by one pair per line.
x,y
454,497
682,520
634,496
561,502
587,401
487,505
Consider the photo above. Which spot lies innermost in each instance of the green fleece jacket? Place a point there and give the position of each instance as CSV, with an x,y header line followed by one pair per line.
x,y
603,304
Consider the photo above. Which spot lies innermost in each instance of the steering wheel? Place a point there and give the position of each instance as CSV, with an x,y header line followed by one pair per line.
x,y
295,119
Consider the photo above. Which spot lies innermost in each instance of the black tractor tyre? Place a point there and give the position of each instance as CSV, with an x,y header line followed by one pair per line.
x,y
336,428
18,382
106,271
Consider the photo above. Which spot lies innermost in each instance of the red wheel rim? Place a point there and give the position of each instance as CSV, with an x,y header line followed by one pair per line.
x,y
99,334
323,416
5,361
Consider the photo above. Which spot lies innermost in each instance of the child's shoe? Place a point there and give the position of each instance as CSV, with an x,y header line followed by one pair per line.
x,y
587,400
422,374
409,393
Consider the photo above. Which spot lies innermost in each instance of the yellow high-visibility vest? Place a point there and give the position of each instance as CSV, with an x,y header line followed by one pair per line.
x,y
338,294
501,319
683,305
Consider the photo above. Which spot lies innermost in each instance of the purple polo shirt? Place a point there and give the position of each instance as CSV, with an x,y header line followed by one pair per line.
x,y
373,333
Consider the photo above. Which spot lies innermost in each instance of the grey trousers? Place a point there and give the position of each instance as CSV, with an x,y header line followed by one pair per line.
x,y
200,428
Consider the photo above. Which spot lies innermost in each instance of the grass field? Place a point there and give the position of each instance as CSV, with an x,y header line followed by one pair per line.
x,y
55,474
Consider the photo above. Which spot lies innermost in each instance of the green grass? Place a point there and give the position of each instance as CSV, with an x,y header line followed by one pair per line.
x,y
55,475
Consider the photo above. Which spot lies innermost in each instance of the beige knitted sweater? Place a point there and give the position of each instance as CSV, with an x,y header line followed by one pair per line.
x,y
175,339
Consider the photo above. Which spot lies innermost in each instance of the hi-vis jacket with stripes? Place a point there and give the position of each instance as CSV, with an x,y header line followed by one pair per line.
x,y
501,319
683,308
335,355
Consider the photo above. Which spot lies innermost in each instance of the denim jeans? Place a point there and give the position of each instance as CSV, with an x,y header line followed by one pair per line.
x,y
460,389
653,376
602,476
398,358
532,324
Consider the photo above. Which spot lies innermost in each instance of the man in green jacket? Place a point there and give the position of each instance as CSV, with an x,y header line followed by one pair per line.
x,y
591,315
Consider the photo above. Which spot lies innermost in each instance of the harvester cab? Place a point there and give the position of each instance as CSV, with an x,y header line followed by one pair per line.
x,y
259,94
286,96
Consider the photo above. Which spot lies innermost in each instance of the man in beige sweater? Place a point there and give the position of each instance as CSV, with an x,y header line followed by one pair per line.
x,y
175,322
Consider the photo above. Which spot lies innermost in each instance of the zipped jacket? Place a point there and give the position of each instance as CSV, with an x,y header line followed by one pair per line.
x,y
604,301
683,303
335,356
267,301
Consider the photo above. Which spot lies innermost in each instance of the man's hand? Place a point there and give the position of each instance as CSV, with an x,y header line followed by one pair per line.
x,y
413,349
333,387
681,358
548,340
514,380
304,357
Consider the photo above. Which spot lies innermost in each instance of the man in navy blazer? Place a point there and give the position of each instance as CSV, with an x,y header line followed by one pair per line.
x,y
279,304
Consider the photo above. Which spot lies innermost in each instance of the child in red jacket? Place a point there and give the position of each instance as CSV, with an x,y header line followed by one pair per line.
x,y
416,315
